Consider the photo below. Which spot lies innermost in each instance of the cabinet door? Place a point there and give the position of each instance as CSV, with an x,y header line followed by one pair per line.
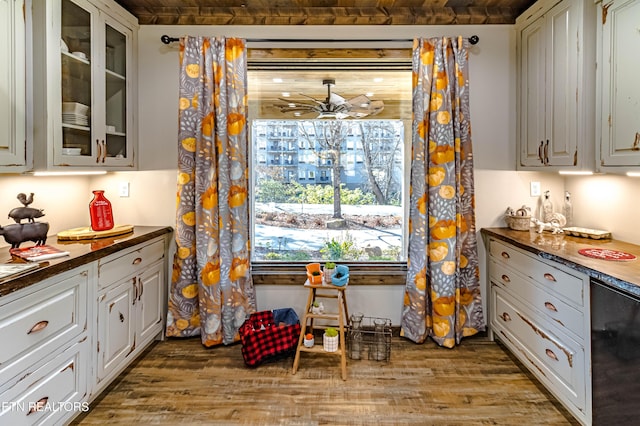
x,y
116,322
74,139
116,118
562,84
150,303
620,121
532,94
12,86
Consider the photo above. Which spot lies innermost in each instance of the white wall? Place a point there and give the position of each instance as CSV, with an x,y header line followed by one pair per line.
x,y
608,202
65,200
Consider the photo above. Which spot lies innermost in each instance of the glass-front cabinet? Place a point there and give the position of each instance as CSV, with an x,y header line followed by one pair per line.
x,y
85,90
13,114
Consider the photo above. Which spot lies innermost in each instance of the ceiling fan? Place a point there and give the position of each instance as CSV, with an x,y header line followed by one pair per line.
x,y
334,106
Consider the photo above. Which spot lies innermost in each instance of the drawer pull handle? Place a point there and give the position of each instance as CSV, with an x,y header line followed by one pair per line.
x,y
39,405
505,255
550,306
40,325
137,261
550,277
505,317
551,355
506,278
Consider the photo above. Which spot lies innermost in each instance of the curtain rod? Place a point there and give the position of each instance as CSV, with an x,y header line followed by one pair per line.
x,y
474,39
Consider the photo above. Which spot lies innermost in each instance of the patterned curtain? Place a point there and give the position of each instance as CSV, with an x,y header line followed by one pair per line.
x,y
211,288
442,296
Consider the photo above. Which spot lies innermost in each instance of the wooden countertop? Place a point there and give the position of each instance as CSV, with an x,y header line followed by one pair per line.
x,y
622,275
81,253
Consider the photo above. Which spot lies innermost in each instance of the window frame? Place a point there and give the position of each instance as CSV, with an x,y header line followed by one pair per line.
x,y
265,272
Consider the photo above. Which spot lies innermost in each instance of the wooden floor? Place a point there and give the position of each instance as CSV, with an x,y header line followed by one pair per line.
x,y
179,382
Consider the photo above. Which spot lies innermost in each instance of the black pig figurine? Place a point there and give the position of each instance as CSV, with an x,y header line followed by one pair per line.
x,y
28,213
17,233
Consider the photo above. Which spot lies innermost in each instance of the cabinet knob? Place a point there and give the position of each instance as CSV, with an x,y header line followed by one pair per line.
x,y
136,261
505,317
39,326
121,317
38,406
505,255
506,278
551,354
550,306
549,277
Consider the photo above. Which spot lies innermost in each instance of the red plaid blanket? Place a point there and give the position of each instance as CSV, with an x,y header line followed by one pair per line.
x,y
264,337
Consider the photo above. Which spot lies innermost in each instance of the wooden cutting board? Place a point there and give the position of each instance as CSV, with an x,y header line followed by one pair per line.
x,y
86,233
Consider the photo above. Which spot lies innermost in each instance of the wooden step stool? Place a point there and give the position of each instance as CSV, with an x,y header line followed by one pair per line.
x,y
324,291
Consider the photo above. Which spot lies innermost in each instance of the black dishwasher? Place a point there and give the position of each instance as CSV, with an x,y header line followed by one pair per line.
x,y
615,355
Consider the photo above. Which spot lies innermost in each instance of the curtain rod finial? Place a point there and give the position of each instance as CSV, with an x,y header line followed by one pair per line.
x,y
474,39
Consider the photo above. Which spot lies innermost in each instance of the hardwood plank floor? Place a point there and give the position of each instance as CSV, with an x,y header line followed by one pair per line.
x,y
179,382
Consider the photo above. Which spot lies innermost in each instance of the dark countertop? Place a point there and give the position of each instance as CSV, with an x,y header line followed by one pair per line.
x,y
621,275
81,253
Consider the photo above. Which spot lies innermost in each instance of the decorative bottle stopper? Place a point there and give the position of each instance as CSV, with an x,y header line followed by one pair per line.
x,y
547,207
567,208
100,212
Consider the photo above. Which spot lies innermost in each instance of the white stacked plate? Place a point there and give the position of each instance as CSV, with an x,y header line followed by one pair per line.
x,y
76,119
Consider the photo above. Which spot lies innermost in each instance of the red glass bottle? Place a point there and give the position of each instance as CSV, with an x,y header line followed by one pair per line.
x,y
100,212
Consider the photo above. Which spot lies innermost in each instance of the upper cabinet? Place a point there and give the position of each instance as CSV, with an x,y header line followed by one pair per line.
x,y
619,90
84,88
13,127
556,85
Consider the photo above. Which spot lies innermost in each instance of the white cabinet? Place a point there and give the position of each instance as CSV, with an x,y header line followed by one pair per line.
x,y
131,294
13,128
84,88
44,358
556,76
540,311
619,62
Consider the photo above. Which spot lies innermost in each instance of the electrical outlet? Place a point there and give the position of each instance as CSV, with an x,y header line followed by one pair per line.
x,y
535,189
123,189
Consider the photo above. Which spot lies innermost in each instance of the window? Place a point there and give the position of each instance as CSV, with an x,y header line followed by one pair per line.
x,y
295,215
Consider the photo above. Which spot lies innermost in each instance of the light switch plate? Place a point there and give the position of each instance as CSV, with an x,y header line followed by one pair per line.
x,y
535,189
123,189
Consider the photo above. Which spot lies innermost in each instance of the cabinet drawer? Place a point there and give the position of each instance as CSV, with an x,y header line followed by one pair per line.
x,y
564,284
114,269
554,358
544,303
49,394
40,322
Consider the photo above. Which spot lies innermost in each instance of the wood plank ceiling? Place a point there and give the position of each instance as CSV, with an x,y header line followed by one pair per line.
x,y
325,12
282,80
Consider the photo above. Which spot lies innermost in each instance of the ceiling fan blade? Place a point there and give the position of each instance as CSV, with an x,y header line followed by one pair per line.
x,y
336,99
360,101
312,98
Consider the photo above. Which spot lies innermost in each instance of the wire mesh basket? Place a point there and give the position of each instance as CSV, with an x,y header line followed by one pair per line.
x,y
369,338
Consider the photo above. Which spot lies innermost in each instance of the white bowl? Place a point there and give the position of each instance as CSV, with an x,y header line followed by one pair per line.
x,y
80,55
71,151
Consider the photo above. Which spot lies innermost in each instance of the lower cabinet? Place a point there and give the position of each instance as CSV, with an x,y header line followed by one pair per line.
x,y
540,311
130,308
44,355
63,340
